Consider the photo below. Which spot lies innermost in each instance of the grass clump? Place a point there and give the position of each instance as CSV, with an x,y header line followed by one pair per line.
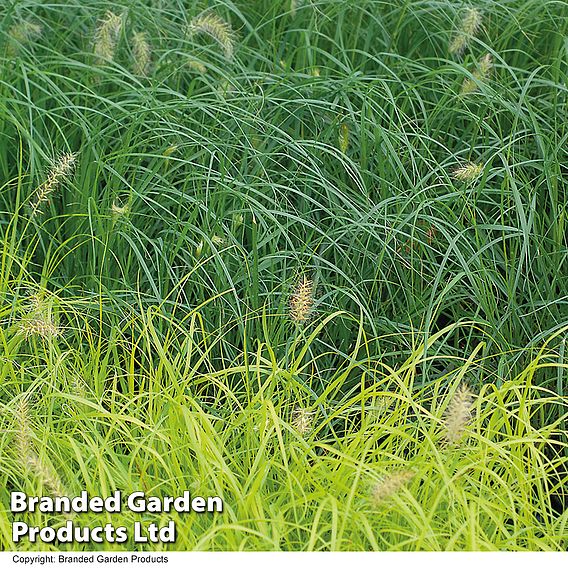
x,y
267,266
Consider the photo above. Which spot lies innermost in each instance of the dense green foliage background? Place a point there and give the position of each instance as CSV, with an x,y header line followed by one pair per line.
x,y
205,187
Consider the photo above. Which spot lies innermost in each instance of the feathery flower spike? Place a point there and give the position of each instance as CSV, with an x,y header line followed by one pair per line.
x,y
294,5
468,172
107,35
118,211
22,33
480,75
389,485
302,420
469,26
29,458
142,54
196,66
60,170
215,27
302,300
38,320
458,414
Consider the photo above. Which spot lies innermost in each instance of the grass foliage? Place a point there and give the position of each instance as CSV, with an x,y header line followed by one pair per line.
x,y
310,256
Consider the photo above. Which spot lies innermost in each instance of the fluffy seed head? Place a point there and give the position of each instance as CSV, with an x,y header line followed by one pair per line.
x,y
142,54
302,420
389,485
485,65
78,386
468,172
60,169
199,249
42,327
22,33
25,31
469,26
29,459
480,75
226,88
196,66
23,436
38,321
118,211
47,476
302,300
34,303
343,137
215,27
170,150
107,35
458,414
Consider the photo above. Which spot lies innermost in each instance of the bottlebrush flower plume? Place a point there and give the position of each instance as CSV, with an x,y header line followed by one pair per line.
x,y
141,53
28,457
118,211
468,172
458,414
196,66
294,5
42,327
38,320
22,33
389,485
469,26
302,420
480,75
59,171
215,27
302,300
107,35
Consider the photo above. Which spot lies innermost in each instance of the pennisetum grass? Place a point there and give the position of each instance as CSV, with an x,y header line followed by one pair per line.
x,y
193,359
294,5
38,321
302,300
389,485
302,420
29,459
480,75
141,53
107,35
196,66
217,28
60,170
21,34
458,414
468,172
470,24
